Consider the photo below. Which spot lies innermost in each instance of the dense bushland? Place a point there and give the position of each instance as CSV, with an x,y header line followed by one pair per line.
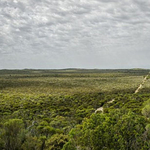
x,y
42,109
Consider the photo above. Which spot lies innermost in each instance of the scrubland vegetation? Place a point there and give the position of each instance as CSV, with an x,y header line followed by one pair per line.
x,y
55,110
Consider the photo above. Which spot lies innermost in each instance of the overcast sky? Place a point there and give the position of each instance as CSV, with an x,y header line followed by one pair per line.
x,y
74,34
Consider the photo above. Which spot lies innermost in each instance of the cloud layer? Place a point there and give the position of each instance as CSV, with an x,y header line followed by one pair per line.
x,y
74,33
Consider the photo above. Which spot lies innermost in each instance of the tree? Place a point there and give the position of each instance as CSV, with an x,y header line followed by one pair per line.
x,y
13,134
146,109
45,131
56,142
118,129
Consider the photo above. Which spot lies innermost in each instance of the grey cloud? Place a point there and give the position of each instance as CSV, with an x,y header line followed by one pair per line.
x,y
75,33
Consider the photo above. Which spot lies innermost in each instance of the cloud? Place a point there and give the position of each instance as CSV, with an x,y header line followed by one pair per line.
x,y
75,33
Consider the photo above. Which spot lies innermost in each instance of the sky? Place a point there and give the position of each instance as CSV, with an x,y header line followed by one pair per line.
x,y
55,34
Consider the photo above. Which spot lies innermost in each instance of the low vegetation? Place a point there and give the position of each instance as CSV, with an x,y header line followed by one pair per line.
x,y
55,109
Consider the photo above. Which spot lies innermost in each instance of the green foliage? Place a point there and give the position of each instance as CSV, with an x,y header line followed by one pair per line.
x,y
69,82
56,142
124,130
32,143
146,111
54,109
69,146
13,134
45,129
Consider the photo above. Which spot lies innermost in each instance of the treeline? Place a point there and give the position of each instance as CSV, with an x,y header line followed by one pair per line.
x,y
73,71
